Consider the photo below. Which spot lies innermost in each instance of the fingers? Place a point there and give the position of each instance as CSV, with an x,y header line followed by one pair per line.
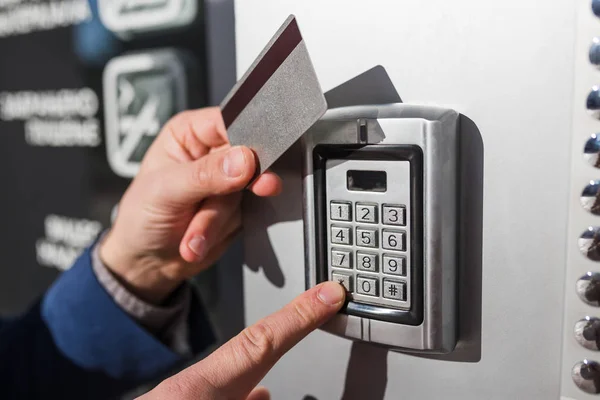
x,y
191,134
217,217
233,370
215,174
260,393
268,184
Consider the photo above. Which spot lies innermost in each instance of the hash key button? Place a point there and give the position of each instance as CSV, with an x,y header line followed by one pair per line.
x,y
394,290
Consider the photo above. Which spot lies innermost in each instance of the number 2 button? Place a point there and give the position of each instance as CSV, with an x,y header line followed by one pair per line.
x,y
366,213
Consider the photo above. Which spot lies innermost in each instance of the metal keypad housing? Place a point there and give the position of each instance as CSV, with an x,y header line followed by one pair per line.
x,y
375,244
417,147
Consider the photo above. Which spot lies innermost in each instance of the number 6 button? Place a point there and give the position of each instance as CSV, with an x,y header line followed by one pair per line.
x,y
393,240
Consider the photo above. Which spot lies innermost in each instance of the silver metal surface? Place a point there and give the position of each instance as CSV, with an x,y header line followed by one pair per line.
x,y
367,261
586,375
592,150
593,101
393,264
341,258
367,213
434,130
589,243
366,238
589,197
394,290
341,235
587,333
588,289
367,286
394,215
340,211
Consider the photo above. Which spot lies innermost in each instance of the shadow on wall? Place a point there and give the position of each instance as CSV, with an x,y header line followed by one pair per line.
x,y
374,87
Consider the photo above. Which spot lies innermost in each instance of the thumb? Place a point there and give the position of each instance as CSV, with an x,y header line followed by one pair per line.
x,y
217,173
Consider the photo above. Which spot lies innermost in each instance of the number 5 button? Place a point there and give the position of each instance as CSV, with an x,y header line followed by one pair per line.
x,y
394,215
366,237
393,240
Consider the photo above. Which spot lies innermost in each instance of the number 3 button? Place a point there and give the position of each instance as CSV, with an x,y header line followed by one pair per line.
x,y
394,215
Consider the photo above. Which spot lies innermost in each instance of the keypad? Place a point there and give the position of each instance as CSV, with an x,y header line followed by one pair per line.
x,y
369,251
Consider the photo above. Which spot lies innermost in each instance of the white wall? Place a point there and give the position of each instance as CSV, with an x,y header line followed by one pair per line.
x,y
507,65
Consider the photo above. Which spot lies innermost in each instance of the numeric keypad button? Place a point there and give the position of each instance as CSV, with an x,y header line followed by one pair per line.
x,y
394,215
394,265
340,211
341,259
341,235
366,237
367,286
367,262
393,240
344,280
366,213
394,290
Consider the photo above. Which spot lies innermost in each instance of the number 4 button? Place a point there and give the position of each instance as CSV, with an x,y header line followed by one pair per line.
x,y
394,215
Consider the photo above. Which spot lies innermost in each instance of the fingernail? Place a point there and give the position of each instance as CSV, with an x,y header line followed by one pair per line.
x,y
331,293
198,245
234,163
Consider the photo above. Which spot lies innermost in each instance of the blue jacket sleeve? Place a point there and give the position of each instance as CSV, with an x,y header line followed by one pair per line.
x,y
77,343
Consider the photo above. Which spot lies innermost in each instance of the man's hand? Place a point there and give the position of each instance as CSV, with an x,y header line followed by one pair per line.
x,y
182,210
234,370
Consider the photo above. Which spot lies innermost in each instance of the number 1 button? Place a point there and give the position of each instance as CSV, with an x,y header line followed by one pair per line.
x,y
340,211
394,215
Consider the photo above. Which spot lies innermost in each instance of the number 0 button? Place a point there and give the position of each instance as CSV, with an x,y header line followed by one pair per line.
x,y
394,215
340,235
366,286
393,240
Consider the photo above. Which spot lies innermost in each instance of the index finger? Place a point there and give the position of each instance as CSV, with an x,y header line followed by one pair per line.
x,y
234,369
